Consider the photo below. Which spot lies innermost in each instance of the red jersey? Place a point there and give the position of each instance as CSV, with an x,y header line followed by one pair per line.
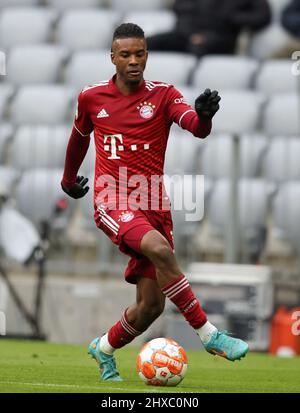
x,y
131,134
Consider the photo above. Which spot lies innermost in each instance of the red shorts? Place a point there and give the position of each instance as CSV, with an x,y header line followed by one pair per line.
x,y
127,228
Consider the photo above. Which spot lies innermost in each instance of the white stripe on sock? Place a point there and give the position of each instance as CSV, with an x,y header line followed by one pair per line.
x,y
125,328
129,328
170,289
177,288
123,319
179,291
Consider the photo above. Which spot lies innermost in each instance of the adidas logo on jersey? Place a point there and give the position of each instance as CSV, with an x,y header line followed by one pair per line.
x,y
102,114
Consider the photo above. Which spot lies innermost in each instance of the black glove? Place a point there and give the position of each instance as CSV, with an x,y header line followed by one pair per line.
x,y
207,104
78,190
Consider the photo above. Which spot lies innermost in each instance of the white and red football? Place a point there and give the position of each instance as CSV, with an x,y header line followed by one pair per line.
x,y
162,362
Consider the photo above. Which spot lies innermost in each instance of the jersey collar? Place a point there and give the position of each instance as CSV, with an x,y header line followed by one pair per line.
x,y
113,86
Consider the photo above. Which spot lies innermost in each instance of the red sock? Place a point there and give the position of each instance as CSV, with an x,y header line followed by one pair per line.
x,y
181,294
122,333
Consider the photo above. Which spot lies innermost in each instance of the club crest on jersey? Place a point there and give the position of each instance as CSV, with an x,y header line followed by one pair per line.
x,y
126,216
146,110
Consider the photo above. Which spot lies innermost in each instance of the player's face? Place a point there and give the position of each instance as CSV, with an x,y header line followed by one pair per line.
x,y
130,57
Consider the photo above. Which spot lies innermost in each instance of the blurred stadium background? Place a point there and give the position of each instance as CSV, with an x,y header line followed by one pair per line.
x,y
243,258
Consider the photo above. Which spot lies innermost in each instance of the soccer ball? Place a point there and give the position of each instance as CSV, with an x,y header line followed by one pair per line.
x,y
162,362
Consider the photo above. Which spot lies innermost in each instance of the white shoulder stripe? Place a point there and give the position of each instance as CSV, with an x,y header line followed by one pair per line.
x,y
103,83
150,85
157,84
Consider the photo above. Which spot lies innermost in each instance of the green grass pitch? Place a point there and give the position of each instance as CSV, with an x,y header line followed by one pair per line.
x,y
29,366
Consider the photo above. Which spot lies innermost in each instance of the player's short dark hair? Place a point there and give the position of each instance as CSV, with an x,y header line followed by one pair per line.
x,y
126,30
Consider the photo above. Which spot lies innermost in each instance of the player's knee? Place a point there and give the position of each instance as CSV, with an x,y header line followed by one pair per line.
x,y
162,255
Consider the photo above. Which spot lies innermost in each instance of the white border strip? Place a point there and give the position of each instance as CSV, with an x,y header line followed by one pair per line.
x,y
190,110
124,389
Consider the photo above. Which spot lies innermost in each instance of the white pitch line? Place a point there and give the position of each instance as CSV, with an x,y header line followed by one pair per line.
x,y
48,385
75,386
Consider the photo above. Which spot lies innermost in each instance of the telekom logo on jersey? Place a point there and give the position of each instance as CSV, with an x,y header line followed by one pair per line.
x,y
114,143
140,192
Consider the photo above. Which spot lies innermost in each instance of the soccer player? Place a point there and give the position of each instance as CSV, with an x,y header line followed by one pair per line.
x,y
131,118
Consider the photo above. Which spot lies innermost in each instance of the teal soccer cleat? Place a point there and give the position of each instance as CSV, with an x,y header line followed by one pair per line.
x,y
225,346
107,363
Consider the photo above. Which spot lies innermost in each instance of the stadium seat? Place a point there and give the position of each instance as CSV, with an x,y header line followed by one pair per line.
x,y
253,148
87,209
88,164
275,77
253,203
216,158
6,132
125,5
286,209
42,104
173,68
104,244
88,68
188,194
225,72
87,206
45,191
268,41
35,64
18,3
8,179
181,152
6,91
190,93
72,4
87,29
282,160
281,115
25,26
152,22
39,147
240,112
